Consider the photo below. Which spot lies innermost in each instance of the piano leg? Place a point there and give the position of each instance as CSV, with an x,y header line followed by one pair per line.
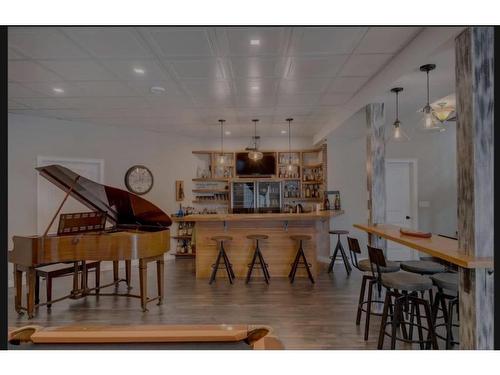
x,y
30,282
18,284
160,272
74,292
84,274
115,272
143,281
128,271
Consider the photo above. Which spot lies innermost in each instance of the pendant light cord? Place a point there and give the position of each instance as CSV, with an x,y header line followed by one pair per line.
x,y
397,106
428,100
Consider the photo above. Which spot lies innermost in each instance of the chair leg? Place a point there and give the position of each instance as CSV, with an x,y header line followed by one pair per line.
x,y
215,267
381,335
431,337
395,322
344,258
368,309
334,256
226,260
419,325
294,265
449,326
263,266
306,264
250,267
361,299
227,265
48,281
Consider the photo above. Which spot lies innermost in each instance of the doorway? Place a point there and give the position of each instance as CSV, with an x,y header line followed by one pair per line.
x,y
401,199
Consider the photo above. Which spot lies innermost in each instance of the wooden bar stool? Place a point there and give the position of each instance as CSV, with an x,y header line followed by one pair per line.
x,y
403,287
365,266
446,282
221,255
340,248
300,256
257,255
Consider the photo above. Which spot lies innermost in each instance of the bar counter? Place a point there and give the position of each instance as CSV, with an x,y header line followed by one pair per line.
x,y
278,250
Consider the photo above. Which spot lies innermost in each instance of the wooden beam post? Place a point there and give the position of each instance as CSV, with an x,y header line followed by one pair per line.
x,y
474,89
375,169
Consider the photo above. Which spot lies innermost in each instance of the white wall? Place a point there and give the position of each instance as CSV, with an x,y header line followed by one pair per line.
x,y
437,180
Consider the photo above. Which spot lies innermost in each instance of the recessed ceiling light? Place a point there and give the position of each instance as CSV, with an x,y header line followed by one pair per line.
x,y
255,42
58,90
139,71
228,132
158,90
283,132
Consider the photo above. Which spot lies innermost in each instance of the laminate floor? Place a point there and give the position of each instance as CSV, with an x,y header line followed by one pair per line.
x,y
302,315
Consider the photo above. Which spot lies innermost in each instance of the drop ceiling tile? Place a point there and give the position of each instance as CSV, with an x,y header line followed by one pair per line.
x,y
347,84
304,67
11,104
255,112
298,99
78,70
215,100
47,88
170,103
203,68
266,87
182,42
202,87
40,103
386,39
65,114
364,65
285,112
19,91
28,71
306,85
255,101
256,67
238,41
109,42
113,102
105,88
43,43
333,98
326,40
124,69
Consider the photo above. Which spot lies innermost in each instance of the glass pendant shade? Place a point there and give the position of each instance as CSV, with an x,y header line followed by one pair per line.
x,y
443,113
398,134
255,154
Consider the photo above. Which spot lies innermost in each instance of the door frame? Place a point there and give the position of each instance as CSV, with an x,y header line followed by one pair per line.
x,y
413,185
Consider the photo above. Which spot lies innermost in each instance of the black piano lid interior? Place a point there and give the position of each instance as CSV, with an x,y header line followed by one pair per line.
x,y
121,207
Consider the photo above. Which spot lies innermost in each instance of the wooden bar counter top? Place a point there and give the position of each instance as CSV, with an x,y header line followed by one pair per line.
x,y
278,250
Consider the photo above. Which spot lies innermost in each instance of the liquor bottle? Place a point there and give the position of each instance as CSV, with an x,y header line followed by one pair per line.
x,y
326,204
308,192
337,202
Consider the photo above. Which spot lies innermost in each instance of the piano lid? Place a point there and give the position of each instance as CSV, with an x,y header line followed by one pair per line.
x,y
121,207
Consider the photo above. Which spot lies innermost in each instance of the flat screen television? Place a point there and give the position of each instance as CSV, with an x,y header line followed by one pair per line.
x,y
248,167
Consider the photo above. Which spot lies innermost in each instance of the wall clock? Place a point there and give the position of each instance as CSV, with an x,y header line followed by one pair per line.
x,y
139,179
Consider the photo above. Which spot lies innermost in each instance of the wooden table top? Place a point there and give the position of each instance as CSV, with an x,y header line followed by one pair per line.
x,y
321,215
436,246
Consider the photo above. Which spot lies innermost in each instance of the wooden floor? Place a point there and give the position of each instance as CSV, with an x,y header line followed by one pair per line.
x,y
302,315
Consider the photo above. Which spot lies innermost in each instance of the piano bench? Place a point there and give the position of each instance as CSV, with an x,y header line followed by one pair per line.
x,y
55,270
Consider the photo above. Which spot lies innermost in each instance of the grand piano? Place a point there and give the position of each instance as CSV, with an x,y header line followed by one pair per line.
x,y
138,231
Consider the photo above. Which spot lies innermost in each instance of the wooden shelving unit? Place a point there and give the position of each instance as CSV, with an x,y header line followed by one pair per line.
x,y
185,246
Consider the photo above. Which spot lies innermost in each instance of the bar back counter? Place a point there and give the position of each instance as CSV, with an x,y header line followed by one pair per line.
x,y
278,249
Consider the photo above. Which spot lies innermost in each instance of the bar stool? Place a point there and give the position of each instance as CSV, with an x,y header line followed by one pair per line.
x,y
340,248
423,267
257,255
300,256
446,281
404,288
365,266
222,255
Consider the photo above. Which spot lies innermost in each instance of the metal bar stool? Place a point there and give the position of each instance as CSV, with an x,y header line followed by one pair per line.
x,y
300,255
222,256
449,282
339,247
403,287
364,265
257,256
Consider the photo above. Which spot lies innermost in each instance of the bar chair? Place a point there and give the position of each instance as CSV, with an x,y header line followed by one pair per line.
x,y
447,302
221,255
257,256
403,287
300,256
364,265
339,247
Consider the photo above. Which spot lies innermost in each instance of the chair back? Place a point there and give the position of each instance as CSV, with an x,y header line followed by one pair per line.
x,y
377,258
354,250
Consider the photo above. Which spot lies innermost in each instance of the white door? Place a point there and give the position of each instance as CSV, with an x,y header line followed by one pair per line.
x,y
49,196
398,182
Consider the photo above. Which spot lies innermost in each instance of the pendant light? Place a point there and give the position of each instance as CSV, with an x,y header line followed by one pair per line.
x,y
222,158
398,135
428,119
444,112
290,163
255,154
